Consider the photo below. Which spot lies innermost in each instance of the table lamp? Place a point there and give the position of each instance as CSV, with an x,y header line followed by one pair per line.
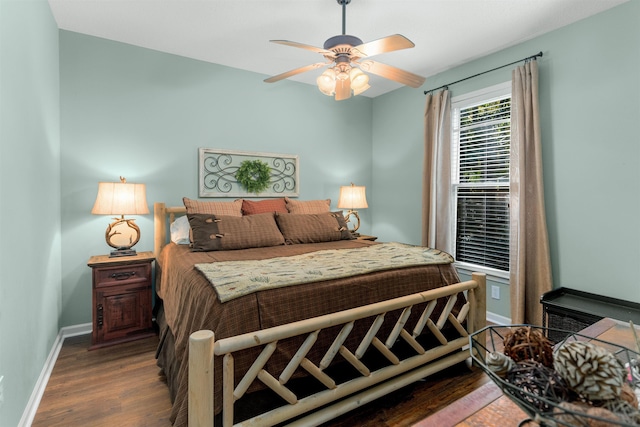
x,y
121,198
353,197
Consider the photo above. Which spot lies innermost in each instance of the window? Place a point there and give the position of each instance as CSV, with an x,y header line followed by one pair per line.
x,y
480,177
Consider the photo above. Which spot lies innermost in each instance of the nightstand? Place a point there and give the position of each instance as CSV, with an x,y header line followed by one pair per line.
x,y
365,237
121,298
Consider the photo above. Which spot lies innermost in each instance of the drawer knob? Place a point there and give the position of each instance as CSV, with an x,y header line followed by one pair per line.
x,y
123,275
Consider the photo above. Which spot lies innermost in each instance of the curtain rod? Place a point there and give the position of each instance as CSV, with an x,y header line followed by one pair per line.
x,y
485,72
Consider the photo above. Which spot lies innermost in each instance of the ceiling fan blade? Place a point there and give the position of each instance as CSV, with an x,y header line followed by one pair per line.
x,y
303,46
383,45
391,73
291,73
343,89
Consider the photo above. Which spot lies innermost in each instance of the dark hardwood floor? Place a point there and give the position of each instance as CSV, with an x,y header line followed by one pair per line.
x,y
122,386
112,386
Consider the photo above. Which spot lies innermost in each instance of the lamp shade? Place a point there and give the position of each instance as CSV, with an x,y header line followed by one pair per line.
x,y
121,198
352,197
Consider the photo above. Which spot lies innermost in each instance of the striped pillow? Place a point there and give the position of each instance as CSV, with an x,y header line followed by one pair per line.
x,y
213,208
307,206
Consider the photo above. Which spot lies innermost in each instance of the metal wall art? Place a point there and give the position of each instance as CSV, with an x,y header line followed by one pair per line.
x,y
229,173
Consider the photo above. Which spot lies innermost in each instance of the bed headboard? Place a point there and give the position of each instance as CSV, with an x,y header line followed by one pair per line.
x,y
163,216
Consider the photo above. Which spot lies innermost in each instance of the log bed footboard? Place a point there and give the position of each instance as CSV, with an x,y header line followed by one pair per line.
x,y
336,398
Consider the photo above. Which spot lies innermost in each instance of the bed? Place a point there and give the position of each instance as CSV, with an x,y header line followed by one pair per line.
x,y
321,347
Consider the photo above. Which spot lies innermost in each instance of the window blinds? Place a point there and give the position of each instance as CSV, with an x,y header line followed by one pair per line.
x,y
482,137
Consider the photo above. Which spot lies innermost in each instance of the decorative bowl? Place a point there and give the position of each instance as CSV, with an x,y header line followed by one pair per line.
x,y
548,411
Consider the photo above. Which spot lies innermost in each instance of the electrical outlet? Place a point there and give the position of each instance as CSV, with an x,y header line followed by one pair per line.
x,y
1,390
495,292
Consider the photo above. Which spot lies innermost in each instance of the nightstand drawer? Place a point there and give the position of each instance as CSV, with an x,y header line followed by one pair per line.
x,y
121,275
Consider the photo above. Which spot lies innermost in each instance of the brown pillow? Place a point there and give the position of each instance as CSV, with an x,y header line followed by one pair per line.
x,y
307,206
250,207
220,232
313,228
213,208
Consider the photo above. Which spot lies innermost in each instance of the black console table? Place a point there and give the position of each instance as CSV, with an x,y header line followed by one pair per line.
x,y
573,310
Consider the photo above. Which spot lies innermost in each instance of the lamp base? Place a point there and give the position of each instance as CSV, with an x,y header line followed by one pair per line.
x,y
122,252
121,235
354,231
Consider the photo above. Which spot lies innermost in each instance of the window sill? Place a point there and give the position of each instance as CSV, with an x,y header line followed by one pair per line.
x,y
492,274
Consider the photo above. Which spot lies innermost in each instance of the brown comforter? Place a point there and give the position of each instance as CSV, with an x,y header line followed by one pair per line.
x,y
190,304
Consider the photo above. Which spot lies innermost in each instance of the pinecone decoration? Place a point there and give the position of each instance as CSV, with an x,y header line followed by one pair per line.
x,y
528,343
499,363
589,370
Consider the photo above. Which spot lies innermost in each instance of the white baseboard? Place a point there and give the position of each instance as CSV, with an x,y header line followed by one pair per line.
x,y
74,331
34,401
498,319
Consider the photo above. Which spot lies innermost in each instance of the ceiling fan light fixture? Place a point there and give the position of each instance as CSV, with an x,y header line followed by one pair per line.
x,y
327,82
359,81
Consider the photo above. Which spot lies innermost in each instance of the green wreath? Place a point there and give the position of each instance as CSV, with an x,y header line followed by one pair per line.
x,y
253,176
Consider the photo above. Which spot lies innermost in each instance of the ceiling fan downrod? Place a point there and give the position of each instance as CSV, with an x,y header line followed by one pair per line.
x,y
344,4
342,39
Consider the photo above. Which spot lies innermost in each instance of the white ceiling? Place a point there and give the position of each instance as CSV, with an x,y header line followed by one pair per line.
x,y
236,33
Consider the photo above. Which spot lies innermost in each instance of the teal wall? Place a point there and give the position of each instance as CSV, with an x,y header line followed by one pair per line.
x,y
589,107
143,114
29,198
76,110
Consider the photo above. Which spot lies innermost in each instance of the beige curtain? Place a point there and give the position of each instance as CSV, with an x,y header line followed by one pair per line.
x,y
530,266
436,186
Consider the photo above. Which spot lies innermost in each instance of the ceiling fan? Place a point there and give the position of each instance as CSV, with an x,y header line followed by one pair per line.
x,y
348,58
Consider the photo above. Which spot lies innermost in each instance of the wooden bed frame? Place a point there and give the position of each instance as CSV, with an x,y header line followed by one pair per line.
x,y
335,398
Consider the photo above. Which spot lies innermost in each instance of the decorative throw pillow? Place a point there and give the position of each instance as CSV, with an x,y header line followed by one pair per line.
x,y
180,231
313,228
214,208
220,232
307,206
250,207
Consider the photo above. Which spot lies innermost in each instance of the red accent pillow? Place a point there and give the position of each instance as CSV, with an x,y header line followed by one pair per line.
x,y
263,206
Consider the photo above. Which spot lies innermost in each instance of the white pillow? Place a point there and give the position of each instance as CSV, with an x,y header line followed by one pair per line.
x,y
180,231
